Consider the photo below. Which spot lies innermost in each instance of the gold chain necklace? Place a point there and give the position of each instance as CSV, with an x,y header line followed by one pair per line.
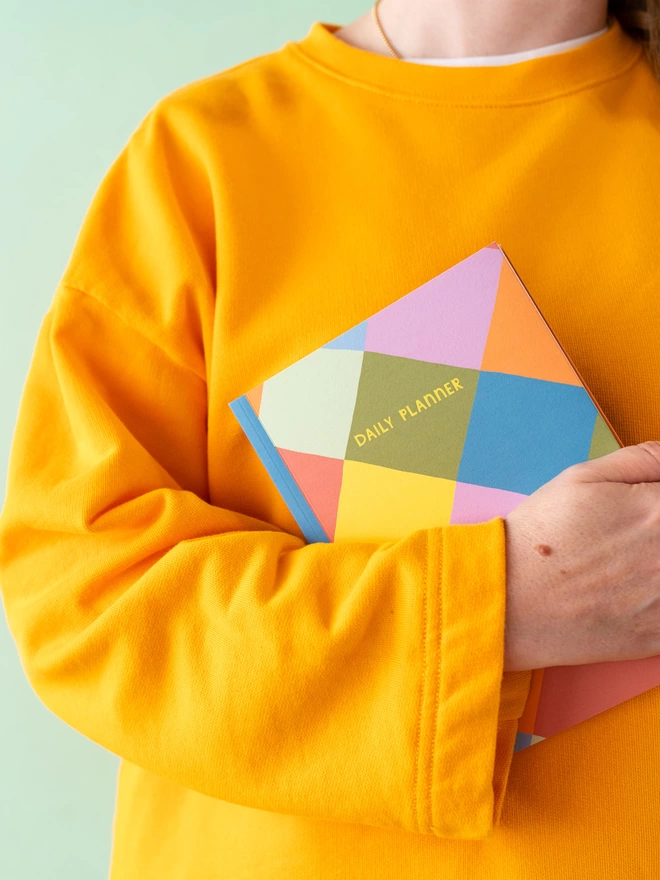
x,y
390,48
374,13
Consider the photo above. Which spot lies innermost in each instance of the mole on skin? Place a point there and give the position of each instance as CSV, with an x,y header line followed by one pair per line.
x,y
543,549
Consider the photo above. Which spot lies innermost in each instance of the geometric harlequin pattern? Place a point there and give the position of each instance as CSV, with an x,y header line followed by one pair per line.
x,y
456,402
450,405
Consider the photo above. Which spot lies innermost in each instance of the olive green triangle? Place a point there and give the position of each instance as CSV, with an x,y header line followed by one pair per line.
x,y
603,440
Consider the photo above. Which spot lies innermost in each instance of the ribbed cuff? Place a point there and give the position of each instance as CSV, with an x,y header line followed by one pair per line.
x,y
471,707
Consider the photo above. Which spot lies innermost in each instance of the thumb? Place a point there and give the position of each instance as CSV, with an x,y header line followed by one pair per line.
x,y
632,464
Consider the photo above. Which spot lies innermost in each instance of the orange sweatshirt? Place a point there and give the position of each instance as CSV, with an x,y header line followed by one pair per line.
x,y
285,710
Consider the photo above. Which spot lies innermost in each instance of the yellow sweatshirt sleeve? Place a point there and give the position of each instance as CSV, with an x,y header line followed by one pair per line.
x,y
352,682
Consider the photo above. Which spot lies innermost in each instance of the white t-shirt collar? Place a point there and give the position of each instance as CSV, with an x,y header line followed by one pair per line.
x,y
512,57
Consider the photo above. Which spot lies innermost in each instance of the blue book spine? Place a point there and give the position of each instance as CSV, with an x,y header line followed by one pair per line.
x,y
278,471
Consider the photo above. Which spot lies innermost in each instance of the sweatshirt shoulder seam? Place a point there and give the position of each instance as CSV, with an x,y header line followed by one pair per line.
x,y
229,74
86,293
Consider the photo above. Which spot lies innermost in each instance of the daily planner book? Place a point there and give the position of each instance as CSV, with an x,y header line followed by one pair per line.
x,y
448,406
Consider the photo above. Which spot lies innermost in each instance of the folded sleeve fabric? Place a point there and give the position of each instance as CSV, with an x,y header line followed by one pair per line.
x,y
355,682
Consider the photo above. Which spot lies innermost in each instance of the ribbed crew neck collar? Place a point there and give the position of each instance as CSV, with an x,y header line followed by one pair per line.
x,y
537,79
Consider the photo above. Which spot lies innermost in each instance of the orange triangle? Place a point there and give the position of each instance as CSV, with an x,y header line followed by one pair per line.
x,y
319,479
254,396
519,341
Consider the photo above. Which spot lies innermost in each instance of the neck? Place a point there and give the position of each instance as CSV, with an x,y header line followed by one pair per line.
x,y
462,28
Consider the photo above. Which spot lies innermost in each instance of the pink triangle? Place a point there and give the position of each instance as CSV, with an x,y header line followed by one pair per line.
x,y
319,479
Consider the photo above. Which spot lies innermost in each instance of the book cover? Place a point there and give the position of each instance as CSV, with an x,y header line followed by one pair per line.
x,y
450,405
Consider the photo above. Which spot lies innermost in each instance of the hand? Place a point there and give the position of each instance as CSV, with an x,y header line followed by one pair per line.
x,y
583,564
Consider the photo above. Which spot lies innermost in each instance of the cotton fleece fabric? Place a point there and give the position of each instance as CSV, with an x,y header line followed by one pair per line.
x,y
285,710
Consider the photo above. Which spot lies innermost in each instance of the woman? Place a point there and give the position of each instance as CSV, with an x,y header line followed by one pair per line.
x,y
286,710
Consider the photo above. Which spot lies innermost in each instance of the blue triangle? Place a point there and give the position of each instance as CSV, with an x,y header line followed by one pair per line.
x,y
523,740
352,339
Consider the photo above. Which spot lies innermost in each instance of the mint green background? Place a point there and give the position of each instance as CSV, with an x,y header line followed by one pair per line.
x,y
76,78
